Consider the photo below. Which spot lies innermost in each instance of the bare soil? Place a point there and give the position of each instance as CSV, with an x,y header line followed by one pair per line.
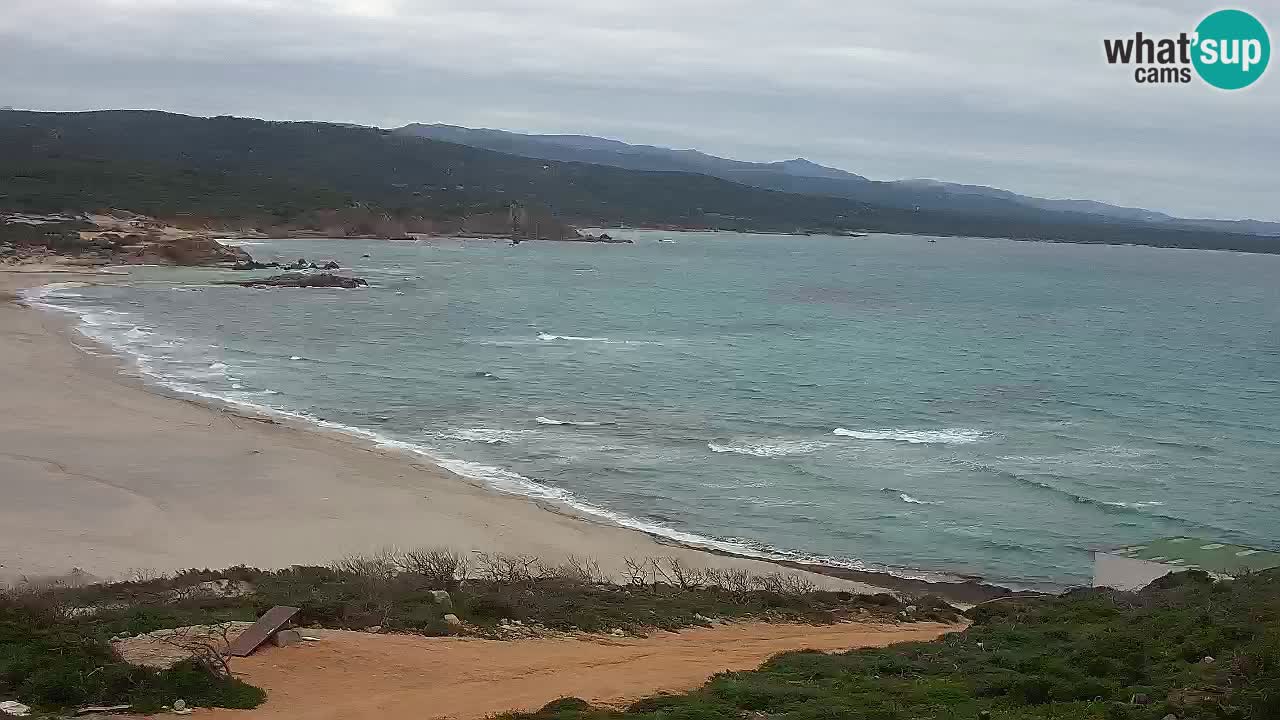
x,y
362,676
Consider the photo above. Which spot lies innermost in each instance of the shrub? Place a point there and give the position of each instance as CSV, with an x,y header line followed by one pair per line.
x,y
53,660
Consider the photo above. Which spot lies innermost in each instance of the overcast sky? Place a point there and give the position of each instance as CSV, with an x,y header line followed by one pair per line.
x,y
1010,93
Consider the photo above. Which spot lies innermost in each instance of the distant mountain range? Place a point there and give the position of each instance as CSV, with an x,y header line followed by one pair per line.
x,y
246,173
803,176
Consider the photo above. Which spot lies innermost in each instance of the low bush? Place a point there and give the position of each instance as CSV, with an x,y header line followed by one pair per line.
x,y
51,659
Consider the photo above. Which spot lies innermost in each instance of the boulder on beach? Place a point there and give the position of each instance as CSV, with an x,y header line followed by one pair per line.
x,y
307,280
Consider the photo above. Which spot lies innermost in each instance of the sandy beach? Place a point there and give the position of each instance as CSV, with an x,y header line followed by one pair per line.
x,y
101,474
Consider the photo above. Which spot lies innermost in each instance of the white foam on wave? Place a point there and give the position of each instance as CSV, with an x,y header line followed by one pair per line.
x,y
56,289
916,501
909,499
948,436
120,333
580,338
576,423
488,436
1136,505
105,326
547,337
768,448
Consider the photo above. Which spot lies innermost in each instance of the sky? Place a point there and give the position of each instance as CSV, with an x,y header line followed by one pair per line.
x,y
1008,93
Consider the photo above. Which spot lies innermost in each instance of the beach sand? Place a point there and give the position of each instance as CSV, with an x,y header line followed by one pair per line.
x,y
99,473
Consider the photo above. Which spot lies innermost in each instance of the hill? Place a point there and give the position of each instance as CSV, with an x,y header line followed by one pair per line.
x,y
267,174
803,176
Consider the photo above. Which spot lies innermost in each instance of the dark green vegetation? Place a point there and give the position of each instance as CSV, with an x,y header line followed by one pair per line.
x,y
54,650
54,660
56,236
393,590
268,173
1186,646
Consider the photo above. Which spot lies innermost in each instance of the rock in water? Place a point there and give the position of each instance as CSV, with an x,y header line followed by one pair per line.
x,y
254,265
305,280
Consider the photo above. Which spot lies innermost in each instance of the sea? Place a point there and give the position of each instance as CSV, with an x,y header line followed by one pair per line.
x,y
932,407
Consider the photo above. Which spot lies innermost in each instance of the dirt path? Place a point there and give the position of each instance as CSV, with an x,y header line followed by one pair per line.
x,y
359,676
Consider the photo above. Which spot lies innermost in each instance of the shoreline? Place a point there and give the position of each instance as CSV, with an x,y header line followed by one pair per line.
x,y
534,526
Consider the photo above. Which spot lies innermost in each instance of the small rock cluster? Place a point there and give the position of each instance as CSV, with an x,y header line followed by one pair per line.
x,y
301,264
306,280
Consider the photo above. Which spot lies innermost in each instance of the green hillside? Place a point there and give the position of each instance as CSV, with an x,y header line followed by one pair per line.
x,y
271,172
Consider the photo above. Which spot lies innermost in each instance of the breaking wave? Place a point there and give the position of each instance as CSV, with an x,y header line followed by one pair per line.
x,y
487,436
575,423
949,436
904,497
549,336
768,448
580,338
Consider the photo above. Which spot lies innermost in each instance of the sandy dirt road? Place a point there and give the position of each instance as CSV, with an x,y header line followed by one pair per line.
x,y
360,676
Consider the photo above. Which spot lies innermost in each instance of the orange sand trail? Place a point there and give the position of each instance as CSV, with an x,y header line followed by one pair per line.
x,y
358,676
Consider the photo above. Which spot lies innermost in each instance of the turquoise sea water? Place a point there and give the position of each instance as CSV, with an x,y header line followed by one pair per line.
x,y
961,406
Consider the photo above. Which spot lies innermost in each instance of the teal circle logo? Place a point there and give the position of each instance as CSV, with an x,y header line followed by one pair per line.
x,y
1231,49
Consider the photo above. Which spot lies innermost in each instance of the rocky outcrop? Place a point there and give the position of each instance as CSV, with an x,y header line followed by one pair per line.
x,y
306,280
254,265
302,264
106,240
182,250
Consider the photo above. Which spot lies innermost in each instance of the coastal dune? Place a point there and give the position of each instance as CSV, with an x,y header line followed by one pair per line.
x,y
102,475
